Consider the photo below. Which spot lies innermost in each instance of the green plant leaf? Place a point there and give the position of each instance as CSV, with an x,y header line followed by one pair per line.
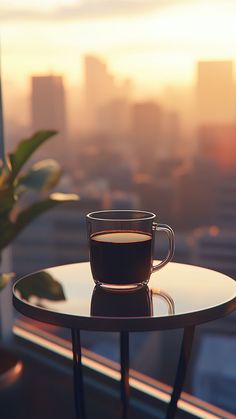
x,y
5,173
44,286
4,279
6,231
42,176
26,148
7,199
38,208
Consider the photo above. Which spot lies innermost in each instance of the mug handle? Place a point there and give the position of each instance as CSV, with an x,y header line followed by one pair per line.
x,y
169,300
171,239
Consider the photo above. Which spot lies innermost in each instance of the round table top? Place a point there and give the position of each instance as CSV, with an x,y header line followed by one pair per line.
x,y
177,296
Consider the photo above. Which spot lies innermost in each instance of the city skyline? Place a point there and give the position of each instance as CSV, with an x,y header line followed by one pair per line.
x,y
111,117
106,86
149,41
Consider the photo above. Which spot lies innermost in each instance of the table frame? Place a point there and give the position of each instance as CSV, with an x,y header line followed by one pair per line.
x,y
124,326
185,353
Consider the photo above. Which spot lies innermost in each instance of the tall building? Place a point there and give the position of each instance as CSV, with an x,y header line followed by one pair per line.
x,y
114,121
214,246
226,208
48,111
173,142
147,126
217,142
99,87
215,95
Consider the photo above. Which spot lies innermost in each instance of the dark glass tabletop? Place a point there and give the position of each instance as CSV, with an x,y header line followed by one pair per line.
x,y
177,296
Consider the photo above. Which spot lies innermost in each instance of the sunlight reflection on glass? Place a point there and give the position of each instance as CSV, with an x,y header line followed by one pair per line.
x,y
166,297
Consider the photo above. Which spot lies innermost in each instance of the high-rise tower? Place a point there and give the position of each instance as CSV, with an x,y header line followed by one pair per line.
x,y
48,112
99,87
215,95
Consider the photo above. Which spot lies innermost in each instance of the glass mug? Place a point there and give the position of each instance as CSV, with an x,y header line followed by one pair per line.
x,y
121,245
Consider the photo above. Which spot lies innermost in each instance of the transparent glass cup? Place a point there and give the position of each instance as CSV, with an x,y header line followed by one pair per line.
x,y
121,245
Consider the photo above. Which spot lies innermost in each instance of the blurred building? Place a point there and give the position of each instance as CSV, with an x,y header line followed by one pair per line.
x,y
48,111
215,245
114,121
146,132
214,248
106,100
196,189
99,87
226,208
56,238
121,200
215,92
155,196
172,137
211,383
217,142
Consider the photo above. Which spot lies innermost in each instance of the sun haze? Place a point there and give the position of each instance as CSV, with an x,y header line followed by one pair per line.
x,y
149,41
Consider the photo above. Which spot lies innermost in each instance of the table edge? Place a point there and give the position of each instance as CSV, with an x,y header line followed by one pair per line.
x,y
118,324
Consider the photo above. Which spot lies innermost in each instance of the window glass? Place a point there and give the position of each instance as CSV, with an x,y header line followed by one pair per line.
x,y
142,94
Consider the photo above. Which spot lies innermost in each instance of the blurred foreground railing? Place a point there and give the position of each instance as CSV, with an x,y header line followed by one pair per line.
x,y
149,397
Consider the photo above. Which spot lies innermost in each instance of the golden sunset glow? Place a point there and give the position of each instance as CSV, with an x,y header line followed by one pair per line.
x,y
161,45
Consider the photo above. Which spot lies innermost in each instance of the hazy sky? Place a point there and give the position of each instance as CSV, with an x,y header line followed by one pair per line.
x,y
80,9
156,42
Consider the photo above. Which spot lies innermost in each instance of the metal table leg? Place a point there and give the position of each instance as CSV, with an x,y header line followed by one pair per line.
x,y
124,366
181,371
78,375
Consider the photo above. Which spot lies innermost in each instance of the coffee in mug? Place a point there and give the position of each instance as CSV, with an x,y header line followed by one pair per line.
x,y
121,245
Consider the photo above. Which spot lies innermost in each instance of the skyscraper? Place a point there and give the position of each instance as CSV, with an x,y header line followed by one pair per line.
x,y
48,112
147,125
114,120
215,95
99,87
218,143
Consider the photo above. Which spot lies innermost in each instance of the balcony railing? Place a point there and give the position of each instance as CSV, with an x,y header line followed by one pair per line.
x,y
149,397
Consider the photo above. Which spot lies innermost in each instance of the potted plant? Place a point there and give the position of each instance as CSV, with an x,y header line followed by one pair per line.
x,y
15,185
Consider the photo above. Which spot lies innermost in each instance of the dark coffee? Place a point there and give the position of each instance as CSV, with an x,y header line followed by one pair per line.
x,y
121,257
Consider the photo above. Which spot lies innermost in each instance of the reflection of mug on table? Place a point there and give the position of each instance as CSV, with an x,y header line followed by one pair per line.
x,y
136,302
121,247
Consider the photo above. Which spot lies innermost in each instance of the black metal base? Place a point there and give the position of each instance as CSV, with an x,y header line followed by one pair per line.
x,y
184,358
78,375
124,369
